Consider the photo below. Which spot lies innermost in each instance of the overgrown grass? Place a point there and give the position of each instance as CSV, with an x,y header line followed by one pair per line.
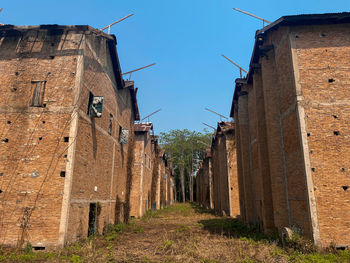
x,y
181,241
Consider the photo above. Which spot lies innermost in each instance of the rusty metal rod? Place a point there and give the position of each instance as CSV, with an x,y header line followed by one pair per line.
x,y
116,22
151,114
235,64
138,69
209,125
216,113
249,14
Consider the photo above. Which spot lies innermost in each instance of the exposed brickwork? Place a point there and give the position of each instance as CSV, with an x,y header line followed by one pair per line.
x,y
142,172
224,171
293,107
58,160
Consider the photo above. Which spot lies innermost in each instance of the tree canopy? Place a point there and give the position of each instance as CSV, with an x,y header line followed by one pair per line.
x,y
185,149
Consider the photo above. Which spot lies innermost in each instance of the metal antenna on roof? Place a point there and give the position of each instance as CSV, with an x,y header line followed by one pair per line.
x,y
209,126
116,22
240,68
249,14
221,116
129,72
151,114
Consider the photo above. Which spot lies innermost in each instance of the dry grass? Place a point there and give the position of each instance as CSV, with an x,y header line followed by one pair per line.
x,y
180,233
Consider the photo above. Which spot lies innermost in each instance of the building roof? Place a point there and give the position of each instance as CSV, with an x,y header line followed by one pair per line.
x,y
143,127
293,20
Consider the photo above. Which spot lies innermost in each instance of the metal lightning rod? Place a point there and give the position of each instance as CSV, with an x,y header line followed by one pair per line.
x,y
249,14
209,126
151,114
240,68
221,116
129,72
116,22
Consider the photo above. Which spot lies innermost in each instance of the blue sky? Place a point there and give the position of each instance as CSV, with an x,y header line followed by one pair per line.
x,y
184,37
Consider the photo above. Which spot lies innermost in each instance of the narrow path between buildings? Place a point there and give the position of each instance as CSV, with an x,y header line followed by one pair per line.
x,y
178,233
188,233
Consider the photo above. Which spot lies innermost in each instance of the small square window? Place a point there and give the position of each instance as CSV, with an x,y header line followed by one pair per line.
x,y
63,174
66,139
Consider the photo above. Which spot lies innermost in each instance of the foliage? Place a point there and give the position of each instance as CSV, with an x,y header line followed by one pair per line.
x,y
185,149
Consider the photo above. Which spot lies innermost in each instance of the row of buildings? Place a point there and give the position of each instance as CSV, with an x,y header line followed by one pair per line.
x,y
290,152
72,158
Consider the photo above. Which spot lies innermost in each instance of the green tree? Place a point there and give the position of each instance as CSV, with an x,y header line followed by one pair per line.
x,y
185,149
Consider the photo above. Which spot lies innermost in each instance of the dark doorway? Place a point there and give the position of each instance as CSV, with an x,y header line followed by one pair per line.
x,y
92,219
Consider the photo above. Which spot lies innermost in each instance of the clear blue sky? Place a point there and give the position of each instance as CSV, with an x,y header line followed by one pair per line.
x,y
184,37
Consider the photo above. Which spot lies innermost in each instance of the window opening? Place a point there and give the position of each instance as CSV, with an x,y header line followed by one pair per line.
x,y
92,219
123,135
38,93
66,139
95,106
63,174
110,127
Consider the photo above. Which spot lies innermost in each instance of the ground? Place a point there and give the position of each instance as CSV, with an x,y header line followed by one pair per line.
x,y
179,233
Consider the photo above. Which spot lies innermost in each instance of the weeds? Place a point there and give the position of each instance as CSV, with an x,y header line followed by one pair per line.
x,y
167,244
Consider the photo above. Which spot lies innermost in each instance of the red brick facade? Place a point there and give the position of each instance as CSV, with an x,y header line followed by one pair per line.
x,y
292,123
58,163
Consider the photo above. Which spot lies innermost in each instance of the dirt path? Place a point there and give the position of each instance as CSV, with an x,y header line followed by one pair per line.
x,y
187,233
179,233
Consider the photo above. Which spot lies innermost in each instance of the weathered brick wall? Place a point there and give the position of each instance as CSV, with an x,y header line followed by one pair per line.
x,y
224,173
293,163
247,180
56,159
202,185
147,177
138,173
230,149
300,105
216,177
263,162
100,168
33,151
142,175
254,155
240,178
321,60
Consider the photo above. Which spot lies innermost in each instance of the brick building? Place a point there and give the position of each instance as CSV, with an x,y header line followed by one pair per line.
x,y
291,114
142,170
224,170
204,182
65,116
